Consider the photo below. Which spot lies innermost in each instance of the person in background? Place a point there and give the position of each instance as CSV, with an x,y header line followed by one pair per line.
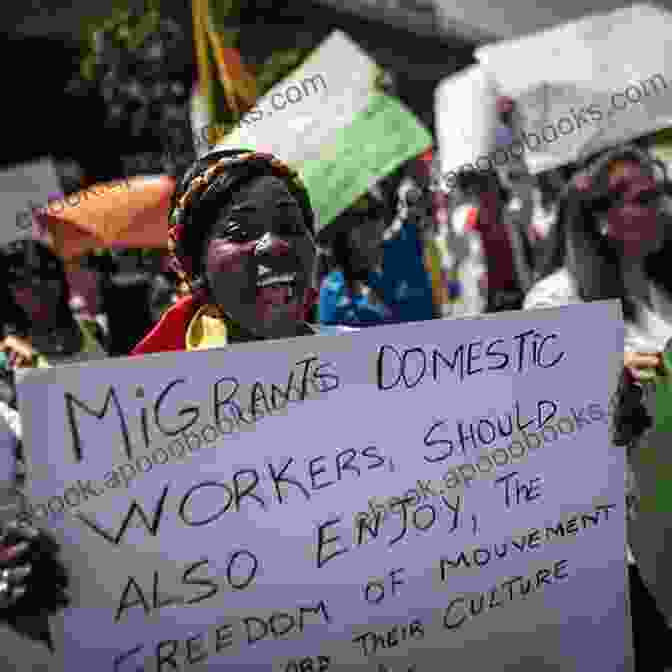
x,y
38,330
502,243
39,326
440,283
547,191
465,247
613,241
451,242
379,273
355,248
417,200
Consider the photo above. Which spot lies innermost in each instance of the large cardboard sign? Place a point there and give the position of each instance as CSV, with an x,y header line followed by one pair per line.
x,y
587,85
415,497
339,131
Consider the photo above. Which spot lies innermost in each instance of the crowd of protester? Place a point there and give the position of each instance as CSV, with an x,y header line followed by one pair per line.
x,y
401,253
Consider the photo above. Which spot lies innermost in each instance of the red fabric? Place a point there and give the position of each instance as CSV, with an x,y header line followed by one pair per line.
x,y
496,244
425,160
170,332
472,220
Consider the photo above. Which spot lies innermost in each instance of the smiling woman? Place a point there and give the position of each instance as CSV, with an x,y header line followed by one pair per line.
x,y
263,228
242,239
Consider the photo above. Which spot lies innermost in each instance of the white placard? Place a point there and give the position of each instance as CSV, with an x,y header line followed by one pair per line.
x,y
466,117
21,185
560,72
243,550
342,133
334,85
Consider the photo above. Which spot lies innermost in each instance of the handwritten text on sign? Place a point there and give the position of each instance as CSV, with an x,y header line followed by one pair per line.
x,y
387,499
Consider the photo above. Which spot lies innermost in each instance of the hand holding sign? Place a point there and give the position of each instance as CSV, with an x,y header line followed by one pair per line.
x,y
19,352
32,581
12,587
642,365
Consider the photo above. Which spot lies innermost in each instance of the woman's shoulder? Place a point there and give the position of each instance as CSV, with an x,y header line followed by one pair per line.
x,y
557,289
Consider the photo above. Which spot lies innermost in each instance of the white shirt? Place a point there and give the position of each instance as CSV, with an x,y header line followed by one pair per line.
x,y
649,532
650,334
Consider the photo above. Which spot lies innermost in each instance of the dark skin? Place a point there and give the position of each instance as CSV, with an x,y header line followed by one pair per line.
x,y
366,223
11,557
260,238
28,598
366,238
39,292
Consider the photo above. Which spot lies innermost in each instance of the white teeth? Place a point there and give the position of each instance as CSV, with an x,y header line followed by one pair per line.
x,y
262,270
276,279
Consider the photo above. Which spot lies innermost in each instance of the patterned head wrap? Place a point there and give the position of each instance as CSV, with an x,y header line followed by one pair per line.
x,y
205,189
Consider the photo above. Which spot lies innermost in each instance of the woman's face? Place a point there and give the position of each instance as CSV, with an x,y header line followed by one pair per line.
x,y
632,221
259,260
37,291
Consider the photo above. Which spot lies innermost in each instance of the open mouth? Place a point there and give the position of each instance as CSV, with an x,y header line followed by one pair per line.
x,y
277,288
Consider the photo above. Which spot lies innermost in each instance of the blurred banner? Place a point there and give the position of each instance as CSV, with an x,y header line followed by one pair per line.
x,y
586,85
132,213
331,122
465,110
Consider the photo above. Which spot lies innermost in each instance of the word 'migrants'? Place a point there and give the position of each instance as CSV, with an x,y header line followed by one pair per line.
x,y
229,403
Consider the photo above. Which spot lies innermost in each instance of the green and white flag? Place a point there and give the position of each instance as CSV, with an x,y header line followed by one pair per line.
x,y
329,120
